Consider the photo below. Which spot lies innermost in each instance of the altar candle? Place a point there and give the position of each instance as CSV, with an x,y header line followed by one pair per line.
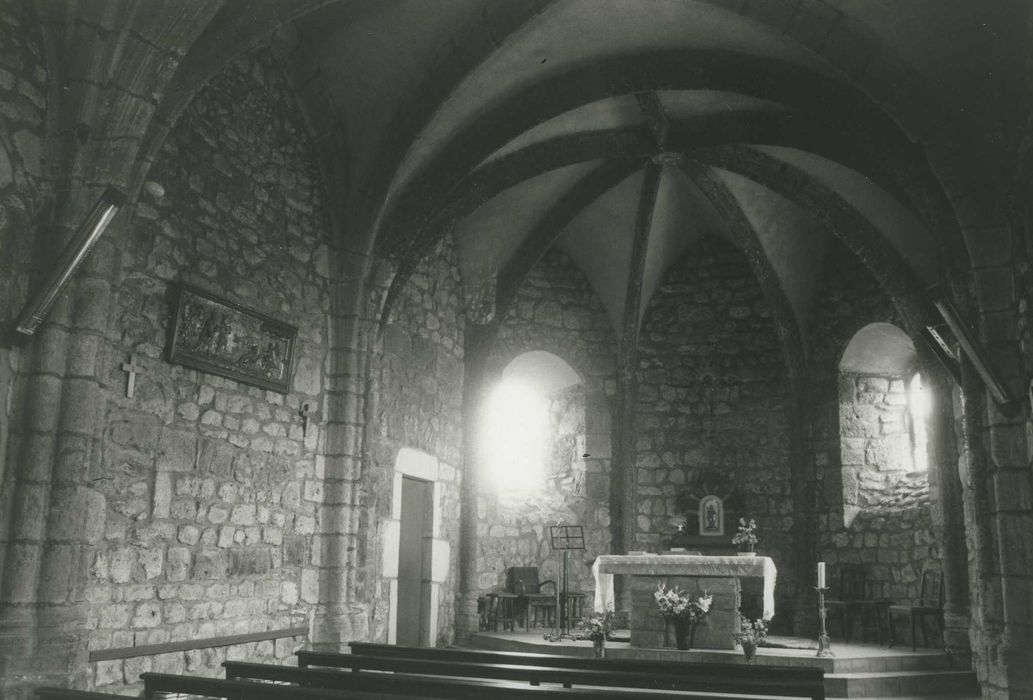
x,y
821,574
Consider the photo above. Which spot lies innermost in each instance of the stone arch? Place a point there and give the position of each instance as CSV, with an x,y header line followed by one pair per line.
x,y
550,373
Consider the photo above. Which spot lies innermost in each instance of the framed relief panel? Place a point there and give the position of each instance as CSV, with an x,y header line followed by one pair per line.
x,y
217,336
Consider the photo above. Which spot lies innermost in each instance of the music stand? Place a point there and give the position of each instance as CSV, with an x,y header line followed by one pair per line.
x,y
565,538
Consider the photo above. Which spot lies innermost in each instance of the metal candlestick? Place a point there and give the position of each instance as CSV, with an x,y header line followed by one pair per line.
x,y
824,643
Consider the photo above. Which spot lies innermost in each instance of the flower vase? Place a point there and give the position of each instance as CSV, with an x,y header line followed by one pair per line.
x,y
749,651
684,634
747,550
599,646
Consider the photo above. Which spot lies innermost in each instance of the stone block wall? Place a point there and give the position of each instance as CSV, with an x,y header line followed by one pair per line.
x,y
879,470
713,395
23,190
557,311
873,509
210,488
417,379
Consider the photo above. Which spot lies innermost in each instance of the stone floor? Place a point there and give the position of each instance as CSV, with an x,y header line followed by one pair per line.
x,y
856,671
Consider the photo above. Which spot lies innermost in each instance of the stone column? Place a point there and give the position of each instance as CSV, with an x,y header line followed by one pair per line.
x,y
335,559
948,513
475,386
59,517
805,521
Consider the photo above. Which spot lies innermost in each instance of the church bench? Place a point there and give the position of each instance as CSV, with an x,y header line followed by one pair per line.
x,y
723,679
803,675
159,684
69,694
423,686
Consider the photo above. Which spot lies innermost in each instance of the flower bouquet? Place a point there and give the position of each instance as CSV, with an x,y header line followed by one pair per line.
x,y
746,536
675,605
750,636
598,627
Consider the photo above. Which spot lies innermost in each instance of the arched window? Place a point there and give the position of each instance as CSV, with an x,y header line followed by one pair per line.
x,y
516,433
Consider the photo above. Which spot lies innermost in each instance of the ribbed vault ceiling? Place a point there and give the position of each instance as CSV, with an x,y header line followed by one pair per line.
x,y
544,134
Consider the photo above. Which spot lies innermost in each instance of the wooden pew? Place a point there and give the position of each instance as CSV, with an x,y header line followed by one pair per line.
x,y
155,683
795,674
723,680
423,686
69,694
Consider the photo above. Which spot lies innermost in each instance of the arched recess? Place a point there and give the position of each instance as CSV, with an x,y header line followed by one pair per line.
x,y
535,425
882,416
714,394
564,334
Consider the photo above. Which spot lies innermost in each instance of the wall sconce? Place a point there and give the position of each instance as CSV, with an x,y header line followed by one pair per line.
x,y
86,236
1008,404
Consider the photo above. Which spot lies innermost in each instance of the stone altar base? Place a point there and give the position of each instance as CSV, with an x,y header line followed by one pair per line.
x,y
650,630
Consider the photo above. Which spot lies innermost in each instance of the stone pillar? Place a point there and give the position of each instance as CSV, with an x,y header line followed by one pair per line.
x,y
805,528
476,383
335,558
59,517
948,513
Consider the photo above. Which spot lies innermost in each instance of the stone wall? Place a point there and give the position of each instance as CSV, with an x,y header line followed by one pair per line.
x,y
211,486
23,78
418,384
879,470
853,419
557,311
713,395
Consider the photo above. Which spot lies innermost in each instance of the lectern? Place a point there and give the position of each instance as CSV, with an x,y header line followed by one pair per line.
x,y
565,538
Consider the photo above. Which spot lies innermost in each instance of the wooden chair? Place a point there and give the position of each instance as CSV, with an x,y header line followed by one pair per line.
x,y
929,605
531,599
850,597
501,611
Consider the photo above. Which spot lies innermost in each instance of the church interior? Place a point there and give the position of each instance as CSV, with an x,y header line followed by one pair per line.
x,y
321,318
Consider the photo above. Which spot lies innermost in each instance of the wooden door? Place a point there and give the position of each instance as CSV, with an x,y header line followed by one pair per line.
x,y
413,616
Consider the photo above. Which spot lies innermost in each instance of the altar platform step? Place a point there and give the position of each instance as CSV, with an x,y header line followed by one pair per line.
x,y
896,684
861,671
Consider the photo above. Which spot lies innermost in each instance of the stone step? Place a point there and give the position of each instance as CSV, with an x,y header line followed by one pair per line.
x,y
897,684
931,661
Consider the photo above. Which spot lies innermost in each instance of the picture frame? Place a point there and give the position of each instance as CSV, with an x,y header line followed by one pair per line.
x,y
711,516
220,337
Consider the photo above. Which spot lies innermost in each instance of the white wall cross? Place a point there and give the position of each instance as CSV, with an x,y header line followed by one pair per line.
x,y
132,368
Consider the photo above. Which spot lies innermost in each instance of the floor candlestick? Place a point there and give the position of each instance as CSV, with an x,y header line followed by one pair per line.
x,y
824,643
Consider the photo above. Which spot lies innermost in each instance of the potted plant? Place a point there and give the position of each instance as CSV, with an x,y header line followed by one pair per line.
x,y
746,537
598,626
750,635
685,613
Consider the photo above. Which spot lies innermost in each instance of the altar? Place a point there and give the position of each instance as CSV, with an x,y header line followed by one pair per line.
x,y
717,575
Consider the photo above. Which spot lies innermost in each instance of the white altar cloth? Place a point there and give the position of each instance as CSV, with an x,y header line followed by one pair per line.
x,y
658,565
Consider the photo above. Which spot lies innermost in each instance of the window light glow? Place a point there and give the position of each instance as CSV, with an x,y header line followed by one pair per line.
x,y
919,404
515,431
